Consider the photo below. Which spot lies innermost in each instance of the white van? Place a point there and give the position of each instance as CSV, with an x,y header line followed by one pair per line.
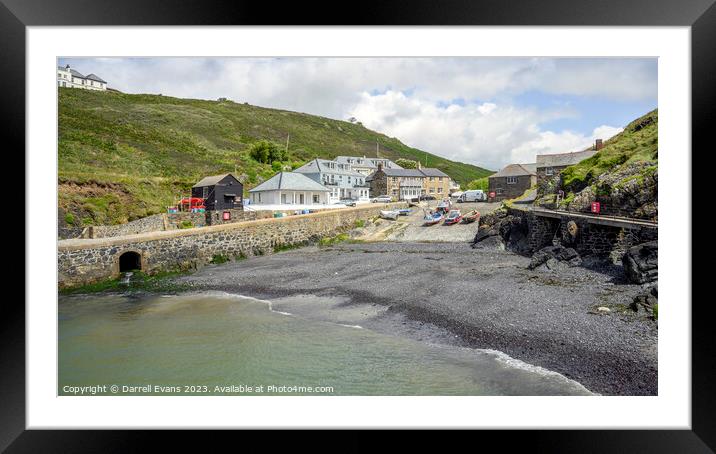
x,y
473,195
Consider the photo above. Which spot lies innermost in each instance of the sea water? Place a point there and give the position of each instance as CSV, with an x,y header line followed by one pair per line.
x,y
222,344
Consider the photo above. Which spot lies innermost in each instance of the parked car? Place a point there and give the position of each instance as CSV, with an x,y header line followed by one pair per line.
x,y
426,197
473,195
348,202
382,199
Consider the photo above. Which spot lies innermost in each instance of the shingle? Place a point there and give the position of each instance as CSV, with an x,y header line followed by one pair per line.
x,y
433,172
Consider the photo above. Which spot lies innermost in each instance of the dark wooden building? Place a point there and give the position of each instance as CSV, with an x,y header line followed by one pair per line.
x,y
220,192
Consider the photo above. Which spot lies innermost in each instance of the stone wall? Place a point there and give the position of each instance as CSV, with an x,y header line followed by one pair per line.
x,y
152,223
236,215
85,261
588,238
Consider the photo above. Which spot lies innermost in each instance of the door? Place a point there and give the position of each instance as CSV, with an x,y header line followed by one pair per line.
x,y
301,198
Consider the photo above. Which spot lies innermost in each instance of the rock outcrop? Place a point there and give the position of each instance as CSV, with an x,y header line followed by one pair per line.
x,y
502,230
646,301
641,262
555,258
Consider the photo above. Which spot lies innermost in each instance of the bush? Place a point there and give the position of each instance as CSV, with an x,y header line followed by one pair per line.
x,y
267,152
70,219
406,163
186,224
218,259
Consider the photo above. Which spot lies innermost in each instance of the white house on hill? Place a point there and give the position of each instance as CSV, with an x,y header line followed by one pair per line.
x,y
287,188
70,78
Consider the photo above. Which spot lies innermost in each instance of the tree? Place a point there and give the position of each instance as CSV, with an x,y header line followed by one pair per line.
x,y
406,163
481,183
267,152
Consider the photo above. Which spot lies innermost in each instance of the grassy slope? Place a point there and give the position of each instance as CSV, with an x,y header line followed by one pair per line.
x,y
639,142
126,156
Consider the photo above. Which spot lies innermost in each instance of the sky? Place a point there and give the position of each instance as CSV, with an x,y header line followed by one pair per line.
x,y
484,111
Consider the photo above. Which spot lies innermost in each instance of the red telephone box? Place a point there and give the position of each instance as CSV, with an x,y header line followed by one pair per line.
x,y
227,215
596,207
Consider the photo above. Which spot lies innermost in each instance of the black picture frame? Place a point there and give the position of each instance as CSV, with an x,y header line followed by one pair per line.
x,y
700,15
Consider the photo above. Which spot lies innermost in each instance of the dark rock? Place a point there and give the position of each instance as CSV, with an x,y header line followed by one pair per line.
x,y
645,301
641,262
489,242
555,258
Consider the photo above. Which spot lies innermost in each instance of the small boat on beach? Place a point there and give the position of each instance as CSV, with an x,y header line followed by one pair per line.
x,y
471,217
453,217
432,219
444,206
392,214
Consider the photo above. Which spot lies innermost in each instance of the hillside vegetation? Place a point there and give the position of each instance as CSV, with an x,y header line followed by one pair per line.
x,y
124,156
622,176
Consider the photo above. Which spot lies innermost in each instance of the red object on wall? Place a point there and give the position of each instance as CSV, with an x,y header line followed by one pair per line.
x,y
227,215
492,195
596,207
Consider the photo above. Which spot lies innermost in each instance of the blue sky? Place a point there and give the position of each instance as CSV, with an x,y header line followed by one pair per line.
x,y
485,111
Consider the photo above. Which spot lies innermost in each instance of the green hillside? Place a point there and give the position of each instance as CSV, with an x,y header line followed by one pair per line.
x,y
124,156
622,176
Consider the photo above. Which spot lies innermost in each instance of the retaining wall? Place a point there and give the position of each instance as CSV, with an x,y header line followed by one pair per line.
x,y
84,261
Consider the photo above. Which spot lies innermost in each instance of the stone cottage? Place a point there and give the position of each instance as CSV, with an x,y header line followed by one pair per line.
x,y
512,181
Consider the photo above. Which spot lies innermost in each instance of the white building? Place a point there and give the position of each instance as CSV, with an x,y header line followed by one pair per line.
x,y
288,188
364,165
340,179
70,78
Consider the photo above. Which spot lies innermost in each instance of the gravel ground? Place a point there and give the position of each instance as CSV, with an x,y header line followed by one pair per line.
x,y
449,292
410,228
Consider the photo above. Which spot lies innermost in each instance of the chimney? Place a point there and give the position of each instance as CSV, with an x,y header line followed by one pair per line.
x,y
67,67
598,145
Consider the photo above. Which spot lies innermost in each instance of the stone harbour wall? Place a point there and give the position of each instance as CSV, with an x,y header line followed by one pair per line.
x,y
588,239
84,261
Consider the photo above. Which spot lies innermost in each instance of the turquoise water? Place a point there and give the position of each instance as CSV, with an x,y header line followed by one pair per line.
x,y
220,344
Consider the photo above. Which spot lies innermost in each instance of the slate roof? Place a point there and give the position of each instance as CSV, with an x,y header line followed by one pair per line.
x,y
289,181
78,74
515,170
432,172
212,180
96,78
321,165
563,159
366,162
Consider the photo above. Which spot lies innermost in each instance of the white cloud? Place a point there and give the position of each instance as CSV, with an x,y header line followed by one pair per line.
x,y
487,134
460,108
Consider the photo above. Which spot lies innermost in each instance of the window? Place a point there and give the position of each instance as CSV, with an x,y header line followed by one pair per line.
x,y
499,190
315,198
440,190
204,192
549,171
511,180
432,178
432,190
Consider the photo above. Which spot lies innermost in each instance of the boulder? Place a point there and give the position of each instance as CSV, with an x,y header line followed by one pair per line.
x,y
646,300
641,262
555,258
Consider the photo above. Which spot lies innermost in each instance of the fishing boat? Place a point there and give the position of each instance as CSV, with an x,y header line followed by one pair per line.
x,y
444,206
404,211
453,217
471,217
392,214
432,219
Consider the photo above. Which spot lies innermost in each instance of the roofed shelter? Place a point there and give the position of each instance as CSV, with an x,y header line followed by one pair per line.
x,y
220,192
289,188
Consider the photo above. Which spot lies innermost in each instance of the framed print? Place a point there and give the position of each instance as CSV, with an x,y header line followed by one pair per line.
x,y
426,217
